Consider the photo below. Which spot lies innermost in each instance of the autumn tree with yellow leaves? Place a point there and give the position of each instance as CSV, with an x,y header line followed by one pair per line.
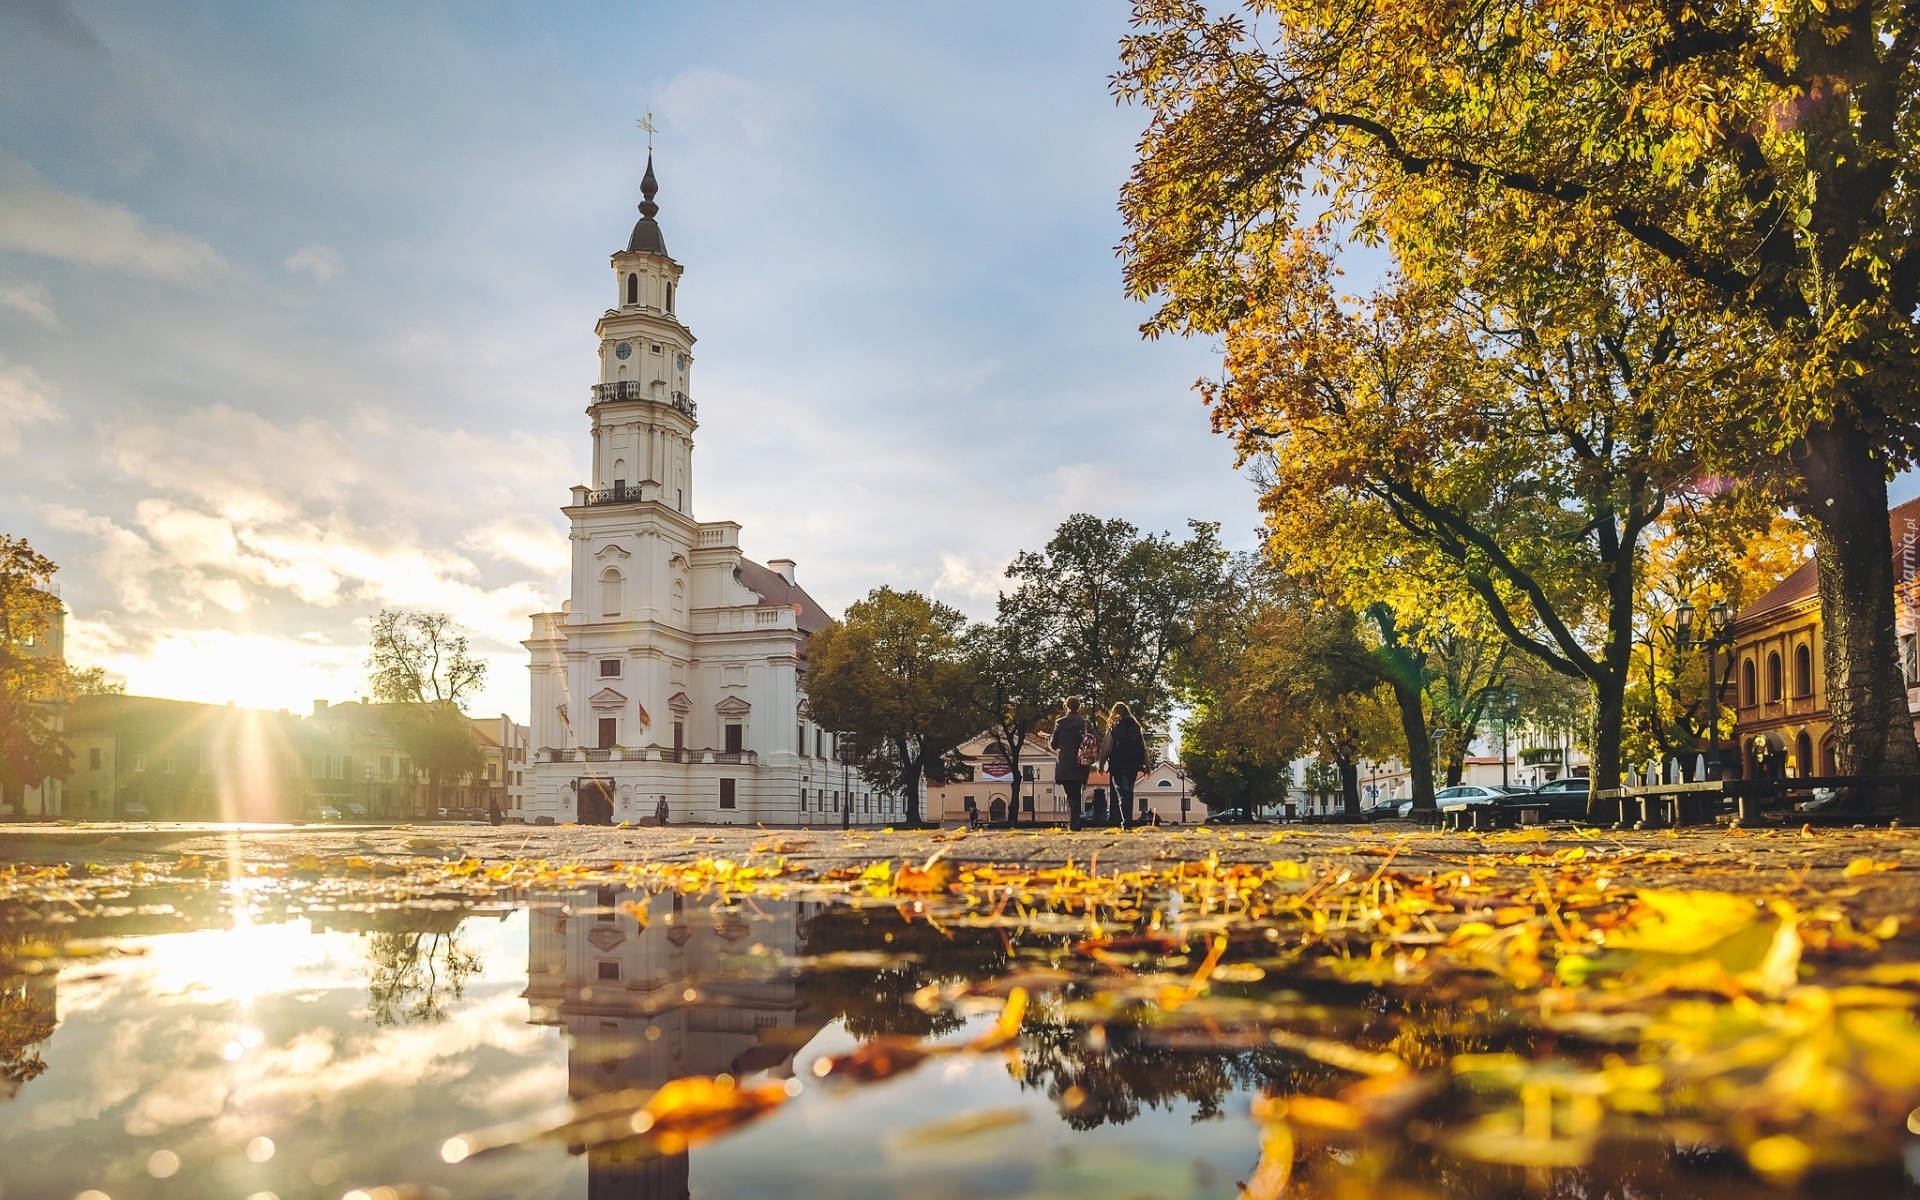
x,y
1762,155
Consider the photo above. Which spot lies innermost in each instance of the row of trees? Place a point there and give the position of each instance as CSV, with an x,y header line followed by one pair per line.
x,y
1655,273
1102,612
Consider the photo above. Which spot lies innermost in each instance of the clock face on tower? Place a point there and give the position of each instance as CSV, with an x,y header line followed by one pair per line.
x,y
623,350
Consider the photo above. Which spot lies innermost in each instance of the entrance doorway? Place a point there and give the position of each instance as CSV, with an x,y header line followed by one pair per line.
x,y
596,802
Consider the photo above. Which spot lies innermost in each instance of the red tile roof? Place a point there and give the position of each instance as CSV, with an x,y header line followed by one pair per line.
x,y
1903,521
774,587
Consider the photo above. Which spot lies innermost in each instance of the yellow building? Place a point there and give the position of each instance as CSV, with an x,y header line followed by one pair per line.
x,y
1778,685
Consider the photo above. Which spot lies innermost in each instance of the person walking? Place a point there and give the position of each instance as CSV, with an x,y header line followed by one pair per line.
x,y
1123,753
1071,735
660,811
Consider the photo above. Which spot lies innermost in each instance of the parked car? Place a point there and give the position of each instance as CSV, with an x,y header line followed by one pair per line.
x,y
323,812
357,812
1566,799
135,811
1467,795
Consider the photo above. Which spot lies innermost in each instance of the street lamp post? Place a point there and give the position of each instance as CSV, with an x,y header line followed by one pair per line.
x,y
1719,637
843,750
1509,709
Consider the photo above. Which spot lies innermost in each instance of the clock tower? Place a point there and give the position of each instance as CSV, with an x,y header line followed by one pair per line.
x,y
643,410
671,680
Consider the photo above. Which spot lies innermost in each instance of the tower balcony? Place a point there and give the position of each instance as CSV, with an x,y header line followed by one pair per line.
x,y
633,389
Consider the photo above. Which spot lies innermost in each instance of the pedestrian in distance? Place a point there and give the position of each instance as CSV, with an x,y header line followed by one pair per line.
x,y
1123,752
660,811
1074,742
493,812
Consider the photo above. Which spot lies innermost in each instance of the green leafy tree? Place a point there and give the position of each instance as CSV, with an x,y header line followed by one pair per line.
x,y
1018,676
1758,157
1114,607
421,667
896,677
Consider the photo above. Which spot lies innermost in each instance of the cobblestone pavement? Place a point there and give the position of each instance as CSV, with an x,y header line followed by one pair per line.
x,y
1812,862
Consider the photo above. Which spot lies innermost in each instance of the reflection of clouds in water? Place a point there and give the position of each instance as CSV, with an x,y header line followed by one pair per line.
x,y
141,1065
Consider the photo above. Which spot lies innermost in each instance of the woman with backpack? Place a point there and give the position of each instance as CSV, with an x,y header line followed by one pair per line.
x,y
1077,747
1124,752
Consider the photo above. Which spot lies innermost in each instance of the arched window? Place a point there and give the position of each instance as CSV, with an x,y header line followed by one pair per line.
x,y
1747,699
610,587
1802,670
669,295
633,289
1773,677
1829,758
679,599
1803,754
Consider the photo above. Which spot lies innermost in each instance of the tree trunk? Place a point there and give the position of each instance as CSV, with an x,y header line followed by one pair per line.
x,y
1846,500
1457,758
1609,708
1413,723
910,780
1349,788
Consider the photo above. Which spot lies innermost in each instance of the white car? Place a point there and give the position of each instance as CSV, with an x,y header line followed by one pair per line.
x,y
1466,795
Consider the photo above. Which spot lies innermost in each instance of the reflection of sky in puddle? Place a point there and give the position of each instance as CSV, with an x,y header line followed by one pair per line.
x,y
204,1042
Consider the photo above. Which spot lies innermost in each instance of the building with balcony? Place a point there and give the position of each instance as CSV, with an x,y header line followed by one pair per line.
x,y
673,673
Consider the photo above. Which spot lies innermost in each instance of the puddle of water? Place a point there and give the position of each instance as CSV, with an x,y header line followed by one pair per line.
x,y
267,1051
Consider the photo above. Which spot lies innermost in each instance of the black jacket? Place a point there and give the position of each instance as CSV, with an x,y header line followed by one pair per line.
x,y
1128,755
1067,736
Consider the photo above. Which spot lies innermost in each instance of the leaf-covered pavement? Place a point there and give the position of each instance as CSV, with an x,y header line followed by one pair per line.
x,y
1524,999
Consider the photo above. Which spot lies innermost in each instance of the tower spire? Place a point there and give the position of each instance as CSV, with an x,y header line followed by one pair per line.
x,y
647,237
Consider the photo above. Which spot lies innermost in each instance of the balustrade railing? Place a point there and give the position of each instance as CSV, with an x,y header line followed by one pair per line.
x,y
633,389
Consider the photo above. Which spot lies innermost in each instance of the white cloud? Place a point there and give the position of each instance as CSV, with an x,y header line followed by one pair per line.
x,y
38,218
317,259
970,579
25,399
30,300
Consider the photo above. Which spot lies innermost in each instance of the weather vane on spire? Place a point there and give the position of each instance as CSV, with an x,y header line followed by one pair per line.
x,y
646,123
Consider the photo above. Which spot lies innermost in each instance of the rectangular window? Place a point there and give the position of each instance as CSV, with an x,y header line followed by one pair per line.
x,y
609,732
166,765
93,758
139,762
800,740
679,736
608,972
733,739
819,744
726,793
609,668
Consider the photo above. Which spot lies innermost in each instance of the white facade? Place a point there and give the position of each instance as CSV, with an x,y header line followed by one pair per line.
x,y
674,671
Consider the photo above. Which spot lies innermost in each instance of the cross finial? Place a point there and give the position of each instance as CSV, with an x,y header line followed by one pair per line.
x,y
646,123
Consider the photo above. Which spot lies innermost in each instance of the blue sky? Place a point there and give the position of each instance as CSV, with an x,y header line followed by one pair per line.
x,y
297,304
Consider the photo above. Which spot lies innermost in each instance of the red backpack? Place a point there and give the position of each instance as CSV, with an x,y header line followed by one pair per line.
x,y
1089,747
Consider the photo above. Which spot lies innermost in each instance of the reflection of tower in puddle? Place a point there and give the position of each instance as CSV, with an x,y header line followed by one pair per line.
x,y
645,1004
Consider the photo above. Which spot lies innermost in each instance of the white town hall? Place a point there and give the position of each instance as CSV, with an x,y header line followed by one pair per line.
x,y
675,671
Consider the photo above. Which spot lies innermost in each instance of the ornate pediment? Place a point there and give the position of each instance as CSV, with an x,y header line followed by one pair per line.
x,y
607,698
611,550
803,712
680,704
606,937
733,706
